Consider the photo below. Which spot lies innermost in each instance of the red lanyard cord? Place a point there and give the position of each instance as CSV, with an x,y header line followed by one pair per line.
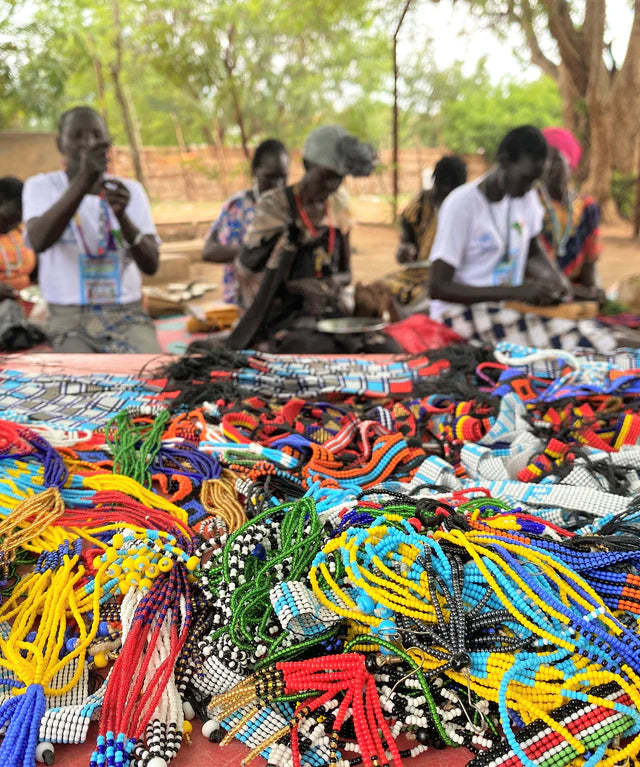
x,y
311,228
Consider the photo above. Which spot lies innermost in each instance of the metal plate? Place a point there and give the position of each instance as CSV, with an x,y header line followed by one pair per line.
x,y
416,265
30,294
346,325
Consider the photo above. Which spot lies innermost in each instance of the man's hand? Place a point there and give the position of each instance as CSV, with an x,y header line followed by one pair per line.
x,y
117,195
93,163
537,293
588,293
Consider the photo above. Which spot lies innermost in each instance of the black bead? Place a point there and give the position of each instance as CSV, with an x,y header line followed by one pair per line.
x,y
460,661
438,743
371,663
48,757
217,736
424,736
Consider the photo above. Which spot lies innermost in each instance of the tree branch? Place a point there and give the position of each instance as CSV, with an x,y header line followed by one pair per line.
x,y
594,27
569,41
525,20
405,10
117,64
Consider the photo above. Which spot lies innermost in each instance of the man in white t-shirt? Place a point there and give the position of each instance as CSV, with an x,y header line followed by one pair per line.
x,y
486,246
486,252
94,234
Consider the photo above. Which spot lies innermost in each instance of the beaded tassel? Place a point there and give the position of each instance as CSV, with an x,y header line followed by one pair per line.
x,y
42,606
343,676
137,683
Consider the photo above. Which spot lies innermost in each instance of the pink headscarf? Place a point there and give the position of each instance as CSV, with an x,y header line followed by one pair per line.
x,y
566,143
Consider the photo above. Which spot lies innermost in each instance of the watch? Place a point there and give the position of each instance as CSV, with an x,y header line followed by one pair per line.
x,y
138,239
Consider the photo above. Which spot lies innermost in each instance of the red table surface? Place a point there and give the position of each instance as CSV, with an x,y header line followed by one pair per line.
x,y
201,752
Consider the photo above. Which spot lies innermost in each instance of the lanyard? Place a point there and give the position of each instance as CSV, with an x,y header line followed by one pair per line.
x,y
506,256
560,239
311,228
105,232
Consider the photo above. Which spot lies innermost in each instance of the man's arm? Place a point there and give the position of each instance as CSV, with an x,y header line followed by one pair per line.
x,y
45,230
443,287
543,270
216,253
143,248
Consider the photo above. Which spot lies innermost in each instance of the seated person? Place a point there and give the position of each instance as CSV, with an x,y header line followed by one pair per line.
x,y
486,252
419,222
94,234
296,254
419,219
570,232
269,170
18,261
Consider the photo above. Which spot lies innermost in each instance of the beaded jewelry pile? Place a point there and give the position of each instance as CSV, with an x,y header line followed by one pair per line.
x,y
338,562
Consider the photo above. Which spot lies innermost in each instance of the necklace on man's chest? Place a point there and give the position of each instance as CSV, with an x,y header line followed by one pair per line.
x,y
105,232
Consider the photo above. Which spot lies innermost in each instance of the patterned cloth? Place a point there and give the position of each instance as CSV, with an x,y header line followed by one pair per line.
x,y
282,378
420,223
17,261
490,323
71,402
230,228
578,246
107,329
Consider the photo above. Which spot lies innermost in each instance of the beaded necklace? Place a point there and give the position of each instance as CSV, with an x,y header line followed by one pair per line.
x,y
276,545
135,444
106,234
391,592
560,239
42,605
311,228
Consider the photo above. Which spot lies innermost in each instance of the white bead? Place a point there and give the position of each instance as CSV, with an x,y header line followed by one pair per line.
x,y
188,711
157,761
41,749
209,727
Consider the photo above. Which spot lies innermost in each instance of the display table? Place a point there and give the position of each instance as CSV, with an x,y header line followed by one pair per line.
x,y
201,752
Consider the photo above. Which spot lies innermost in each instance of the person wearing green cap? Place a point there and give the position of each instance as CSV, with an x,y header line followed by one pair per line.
x,y
296,256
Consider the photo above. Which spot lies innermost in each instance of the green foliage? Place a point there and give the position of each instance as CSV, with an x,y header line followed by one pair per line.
x,y
481,113
623,191
200,70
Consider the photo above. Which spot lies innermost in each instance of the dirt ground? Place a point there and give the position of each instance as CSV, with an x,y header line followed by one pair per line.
x,y
374,241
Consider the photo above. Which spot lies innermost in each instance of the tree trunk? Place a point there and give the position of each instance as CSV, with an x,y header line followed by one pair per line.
x,y
636,212
237,108
598,181
97,65
218,152
601,98
134,147
396,140
229,66
396,150
116,67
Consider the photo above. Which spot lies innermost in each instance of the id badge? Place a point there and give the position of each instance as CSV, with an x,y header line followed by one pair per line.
x,y
503,273
100,280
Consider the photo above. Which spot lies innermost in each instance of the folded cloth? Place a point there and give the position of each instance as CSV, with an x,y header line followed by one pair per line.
x,y
420,333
